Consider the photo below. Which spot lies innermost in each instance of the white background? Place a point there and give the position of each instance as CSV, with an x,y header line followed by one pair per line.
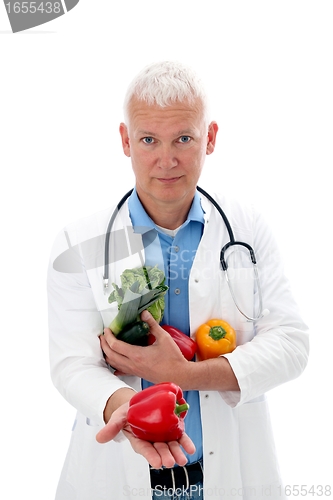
x,y
268,68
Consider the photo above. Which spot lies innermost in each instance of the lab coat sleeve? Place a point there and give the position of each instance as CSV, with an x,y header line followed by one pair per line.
x,y
279,349
78,369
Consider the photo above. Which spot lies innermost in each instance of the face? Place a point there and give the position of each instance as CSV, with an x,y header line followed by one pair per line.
x,y
167,147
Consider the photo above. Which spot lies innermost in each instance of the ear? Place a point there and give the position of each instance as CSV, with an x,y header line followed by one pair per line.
x,y
125,139
211,137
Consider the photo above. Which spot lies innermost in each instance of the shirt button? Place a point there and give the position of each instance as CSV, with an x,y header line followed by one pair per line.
x,y
176,249
211,453
206,396
177,291
196,280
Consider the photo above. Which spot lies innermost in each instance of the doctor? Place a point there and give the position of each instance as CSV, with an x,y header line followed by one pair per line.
x,y
228,450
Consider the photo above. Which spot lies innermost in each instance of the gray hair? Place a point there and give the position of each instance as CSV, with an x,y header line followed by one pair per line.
x,y
164,83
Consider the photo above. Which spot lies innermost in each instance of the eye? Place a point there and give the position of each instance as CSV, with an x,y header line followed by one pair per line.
x,y
184,139
148,140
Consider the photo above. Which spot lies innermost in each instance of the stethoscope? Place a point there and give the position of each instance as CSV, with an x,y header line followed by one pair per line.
x,y
224,266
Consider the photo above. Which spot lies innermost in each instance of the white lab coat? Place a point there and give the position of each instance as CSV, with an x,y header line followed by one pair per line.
x,y
239,455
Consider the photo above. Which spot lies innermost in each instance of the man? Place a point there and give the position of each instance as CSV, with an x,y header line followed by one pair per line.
x,y
228,447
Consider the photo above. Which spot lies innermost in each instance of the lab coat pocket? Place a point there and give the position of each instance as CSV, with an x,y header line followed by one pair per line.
x,y
259,465
94,471
84,467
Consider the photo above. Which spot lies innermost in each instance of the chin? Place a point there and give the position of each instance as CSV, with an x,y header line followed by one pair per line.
x,y
174,194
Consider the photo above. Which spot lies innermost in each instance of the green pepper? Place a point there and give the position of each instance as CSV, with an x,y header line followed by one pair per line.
x,y
157,413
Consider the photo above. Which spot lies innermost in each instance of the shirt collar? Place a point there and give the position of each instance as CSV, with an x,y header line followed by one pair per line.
x,y
142,222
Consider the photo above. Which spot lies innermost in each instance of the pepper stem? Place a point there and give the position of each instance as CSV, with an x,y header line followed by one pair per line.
x,y
180,408
217,332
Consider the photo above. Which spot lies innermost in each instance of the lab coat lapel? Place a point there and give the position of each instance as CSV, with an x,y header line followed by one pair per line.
x,y
126,251
210,296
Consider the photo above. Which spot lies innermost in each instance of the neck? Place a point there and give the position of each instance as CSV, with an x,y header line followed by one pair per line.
x,y
169,215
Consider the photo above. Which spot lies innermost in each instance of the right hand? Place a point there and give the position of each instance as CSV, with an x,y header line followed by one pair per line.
x,y
160,362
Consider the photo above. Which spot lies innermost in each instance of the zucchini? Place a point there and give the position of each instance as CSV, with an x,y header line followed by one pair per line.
x,y
135,334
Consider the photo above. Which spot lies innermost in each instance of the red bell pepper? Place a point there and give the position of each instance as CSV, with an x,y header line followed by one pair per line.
x,y
157,413
187,345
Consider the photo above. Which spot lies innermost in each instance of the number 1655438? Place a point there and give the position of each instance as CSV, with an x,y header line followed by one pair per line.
x,y
33,7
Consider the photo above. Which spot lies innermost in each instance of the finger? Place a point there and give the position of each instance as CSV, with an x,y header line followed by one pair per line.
x,y
154,327
108,354
120,361
107,351
108,335
110,430
186,442
177,453
146,449
148,318
167,457
119,373
158,454
107,344
104,345
118,346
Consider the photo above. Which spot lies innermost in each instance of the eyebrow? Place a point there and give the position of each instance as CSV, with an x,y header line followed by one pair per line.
x,y
179,133
145,132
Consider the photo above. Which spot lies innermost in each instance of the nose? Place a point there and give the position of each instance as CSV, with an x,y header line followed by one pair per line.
x,y
166,158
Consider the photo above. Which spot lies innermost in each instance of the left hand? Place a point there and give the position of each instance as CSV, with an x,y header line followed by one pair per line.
x,y
157,454
160,362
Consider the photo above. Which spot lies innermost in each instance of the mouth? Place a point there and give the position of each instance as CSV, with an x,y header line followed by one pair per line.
x,y
168,180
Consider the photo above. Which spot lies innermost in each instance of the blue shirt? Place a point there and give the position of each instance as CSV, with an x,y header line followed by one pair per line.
x,y
174,255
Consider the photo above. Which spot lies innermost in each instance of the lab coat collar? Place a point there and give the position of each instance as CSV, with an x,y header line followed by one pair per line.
x,y
141,221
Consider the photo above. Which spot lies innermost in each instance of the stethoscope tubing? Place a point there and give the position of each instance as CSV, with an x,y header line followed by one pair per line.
x,y
224,266
108,235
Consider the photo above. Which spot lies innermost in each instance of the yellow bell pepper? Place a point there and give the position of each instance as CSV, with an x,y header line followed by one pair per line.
x,y
215,337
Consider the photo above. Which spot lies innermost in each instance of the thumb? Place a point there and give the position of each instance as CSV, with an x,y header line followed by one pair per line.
x,y
148,318
109,432
154,327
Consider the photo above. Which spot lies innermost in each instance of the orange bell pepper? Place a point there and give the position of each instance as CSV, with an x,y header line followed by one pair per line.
x,y
215,337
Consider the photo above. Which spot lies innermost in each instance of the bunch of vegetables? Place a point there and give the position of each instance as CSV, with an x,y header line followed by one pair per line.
x,y
141,288
144,288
